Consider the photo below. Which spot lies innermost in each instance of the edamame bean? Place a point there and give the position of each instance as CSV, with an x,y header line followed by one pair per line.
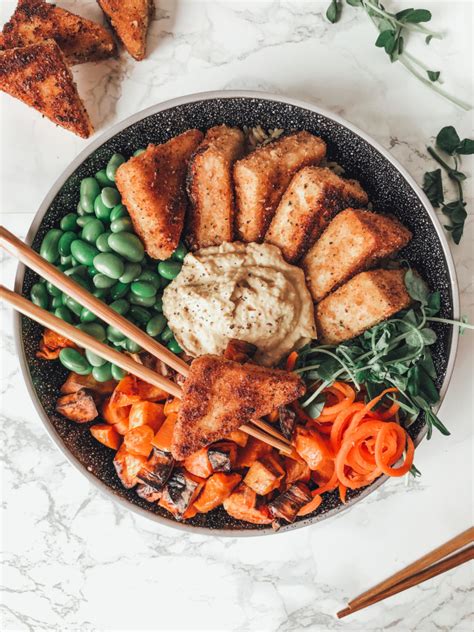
x,y
53,290
169,269
110,196
132,271
159,304
74,361
101,211
73,305
83,252
64,243
121,306
50,245
174,346
94,359
121,224
66,261
87,316
167,334
102,373
118,373
85,219
100,292
80,211
145,301
143,289
156,325
131,346
69,222
126,244
63,313
114,334
92,271
117,212
89,190
180,252
102,281
151,277
57,301
119,290
114,163
93,329
83,281
92,230
139,314
75,270
109,264
102,242
101,177
39,295
138,152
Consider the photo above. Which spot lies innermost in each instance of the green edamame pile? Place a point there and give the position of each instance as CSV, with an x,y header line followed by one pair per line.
x,y
97,247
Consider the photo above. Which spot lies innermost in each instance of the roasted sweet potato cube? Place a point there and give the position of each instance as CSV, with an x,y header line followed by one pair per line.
x,y
264,475
131,390
107,435
127,466
296,471
118,416
198,463
253,450
78,406
75,382
324,472
242,505
216,490
311,446
146,413
163,438
138,440
239,437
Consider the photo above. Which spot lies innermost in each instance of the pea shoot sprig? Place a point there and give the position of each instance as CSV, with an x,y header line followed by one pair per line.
x,y
449,142
393,28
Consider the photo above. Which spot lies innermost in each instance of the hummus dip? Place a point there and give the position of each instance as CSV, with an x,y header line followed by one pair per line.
x,y
243,291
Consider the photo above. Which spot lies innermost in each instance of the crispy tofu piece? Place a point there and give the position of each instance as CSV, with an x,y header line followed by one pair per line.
x,y
39,76
313,197
210,187
130,20
80,40
354,241
153,188
220,395
262,177
365,300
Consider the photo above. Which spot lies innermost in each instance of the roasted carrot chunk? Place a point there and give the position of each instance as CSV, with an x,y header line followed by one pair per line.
x,y
172,406
311,446
146,413
264,475
131,390
107,435
138,440
252,451
239,437
241,505
216,490
198,463
162,439
128,466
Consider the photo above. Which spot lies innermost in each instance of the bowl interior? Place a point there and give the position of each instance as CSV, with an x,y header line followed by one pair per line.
x,y
388,191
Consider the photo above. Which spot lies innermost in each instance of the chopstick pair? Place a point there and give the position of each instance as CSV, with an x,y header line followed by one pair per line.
x,y
451,554
33,260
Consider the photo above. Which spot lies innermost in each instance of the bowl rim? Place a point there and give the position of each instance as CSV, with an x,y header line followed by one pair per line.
x,y
92,147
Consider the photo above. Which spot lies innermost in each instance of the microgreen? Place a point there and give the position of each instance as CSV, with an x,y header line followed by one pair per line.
x,y
395,352
393,29
449,142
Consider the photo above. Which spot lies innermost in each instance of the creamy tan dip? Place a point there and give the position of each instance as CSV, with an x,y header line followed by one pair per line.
x,y
243,291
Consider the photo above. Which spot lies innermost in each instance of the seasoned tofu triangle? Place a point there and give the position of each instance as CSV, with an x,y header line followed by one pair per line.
x,y
153,188
355,240
220,395
365,300
212,210
262,177
313,197
39,76
130,19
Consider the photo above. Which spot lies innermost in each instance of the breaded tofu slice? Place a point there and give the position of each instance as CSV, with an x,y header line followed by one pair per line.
x,y
80,40
153,188
262,177
130,20
313,197
220,395
210,187
355,240
365,300
39,76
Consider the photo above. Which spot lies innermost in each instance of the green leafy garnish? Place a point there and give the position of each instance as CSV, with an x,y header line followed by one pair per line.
x,y
449,142
393,29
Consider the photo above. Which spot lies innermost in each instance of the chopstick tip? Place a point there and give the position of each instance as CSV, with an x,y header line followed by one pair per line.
x,y
344,612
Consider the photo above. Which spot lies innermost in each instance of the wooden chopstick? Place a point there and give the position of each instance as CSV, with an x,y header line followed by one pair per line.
x,y
33,260
433,563
263,436
270,430
86,341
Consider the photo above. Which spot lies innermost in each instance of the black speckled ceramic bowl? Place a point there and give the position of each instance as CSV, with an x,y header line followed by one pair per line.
x,y
390,189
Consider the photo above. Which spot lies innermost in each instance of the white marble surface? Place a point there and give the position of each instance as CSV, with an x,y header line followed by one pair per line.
x,y
72,559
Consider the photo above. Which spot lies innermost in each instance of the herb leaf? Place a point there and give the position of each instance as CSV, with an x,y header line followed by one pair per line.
x,y
416,287
333,12
466,146
414,16
448,139
433,75
433,187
